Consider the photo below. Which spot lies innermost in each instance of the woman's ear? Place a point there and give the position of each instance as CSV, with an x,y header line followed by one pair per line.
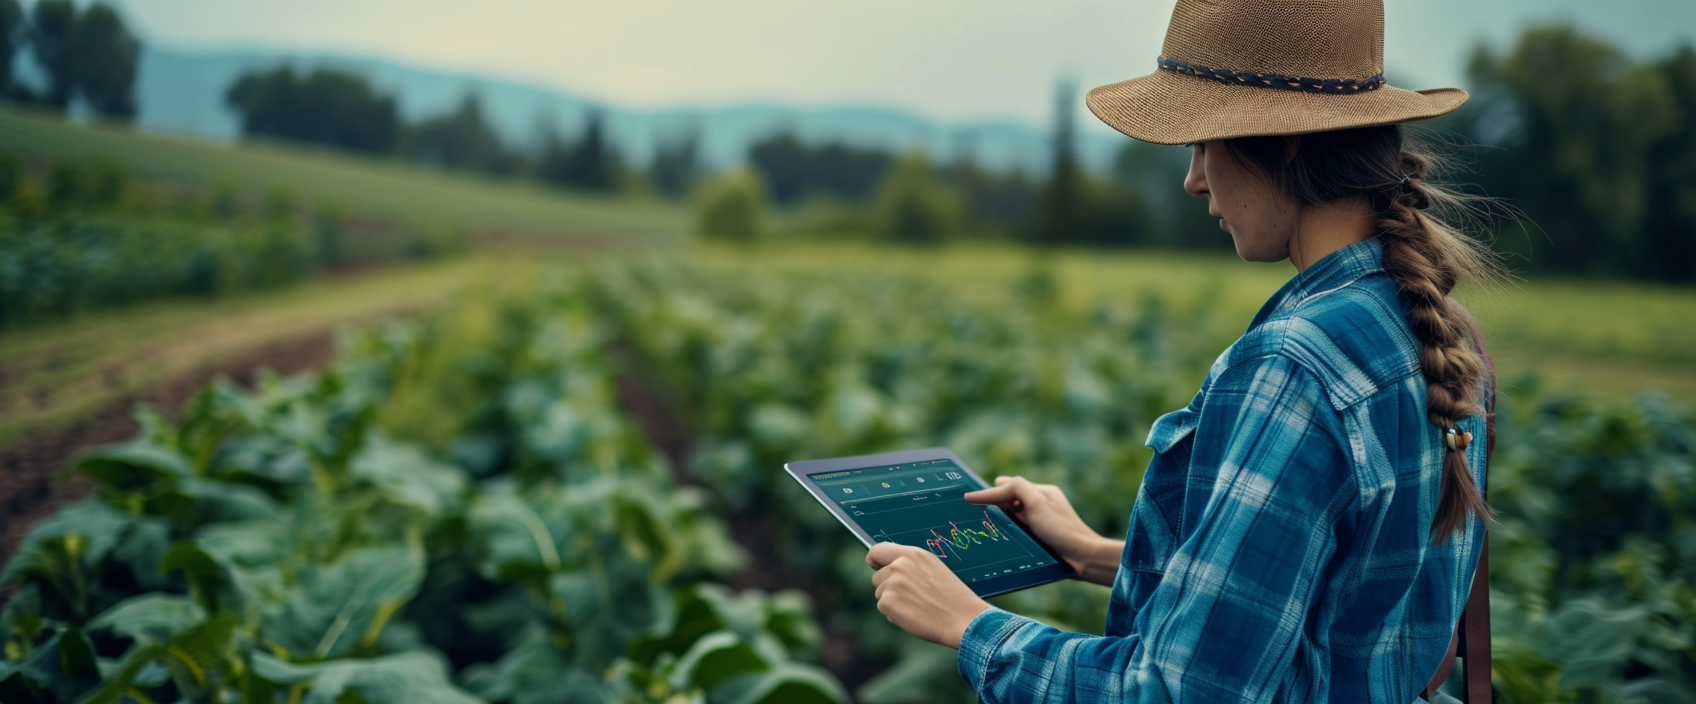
x,y
1292,144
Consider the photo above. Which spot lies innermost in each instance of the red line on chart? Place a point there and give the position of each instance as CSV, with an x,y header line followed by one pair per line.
x,y
963,538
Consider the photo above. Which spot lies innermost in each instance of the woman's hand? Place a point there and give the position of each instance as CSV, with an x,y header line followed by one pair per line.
x,y
918,593
1044,510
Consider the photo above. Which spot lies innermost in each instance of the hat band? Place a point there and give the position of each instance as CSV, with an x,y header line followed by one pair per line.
x,y
1333,86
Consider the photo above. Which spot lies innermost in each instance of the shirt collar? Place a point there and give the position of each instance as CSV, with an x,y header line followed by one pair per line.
x,y
1331,272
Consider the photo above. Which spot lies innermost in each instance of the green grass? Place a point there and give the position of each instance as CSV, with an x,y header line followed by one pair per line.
x,y
57,374
387,189
1609,340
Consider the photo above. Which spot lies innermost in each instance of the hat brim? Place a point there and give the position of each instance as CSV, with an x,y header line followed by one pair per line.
x,y
1167,108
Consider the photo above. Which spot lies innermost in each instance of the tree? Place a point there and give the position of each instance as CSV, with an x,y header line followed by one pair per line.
x,y
676,163
1670,227
912,208
103,61
12,39
461,139
793,170
729,208
325,107
1154,174
1058,215
1579,121
589,164
53,26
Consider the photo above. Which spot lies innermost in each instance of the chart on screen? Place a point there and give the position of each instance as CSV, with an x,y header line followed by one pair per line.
x,y
922,505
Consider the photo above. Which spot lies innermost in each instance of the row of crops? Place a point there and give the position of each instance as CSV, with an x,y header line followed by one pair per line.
x,y
292,544
81,236
1593,564
462,509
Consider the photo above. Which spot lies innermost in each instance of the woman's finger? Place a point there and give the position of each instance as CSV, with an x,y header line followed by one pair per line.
x,y
880,576
882,554
993,495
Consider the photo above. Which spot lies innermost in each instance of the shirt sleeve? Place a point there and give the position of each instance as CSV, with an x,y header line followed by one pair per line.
x,y
1224,622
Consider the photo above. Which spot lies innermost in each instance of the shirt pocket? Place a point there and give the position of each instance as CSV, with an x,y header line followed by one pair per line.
x,y
1170,429
1155,520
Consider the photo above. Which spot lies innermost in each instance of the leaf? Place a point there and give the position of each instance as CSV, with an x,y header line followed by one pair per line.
x,y
199,660
406,476
342,606
411,677
63,553
83,533
784,684
535,672
150,618
60,668
1590,640
135,465
715,658
513,538
923,673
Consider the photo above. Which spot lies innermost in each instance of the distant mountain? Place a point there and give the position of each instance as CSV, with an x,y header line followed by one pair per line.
x,y
182,91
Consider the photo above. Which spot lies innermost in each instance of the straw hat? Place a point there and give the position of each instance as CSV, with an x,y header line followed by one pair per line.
x,y
1239,68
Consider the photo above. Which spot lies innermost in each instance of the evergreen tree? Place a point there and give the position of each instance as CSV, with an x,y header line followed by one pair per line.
x,y
52,30
676,163
1059,213
12,39
589,164
461,139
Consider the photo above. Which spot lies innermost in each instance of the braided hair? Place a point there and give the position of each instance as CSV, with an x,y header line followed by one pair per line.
x,y
1423,255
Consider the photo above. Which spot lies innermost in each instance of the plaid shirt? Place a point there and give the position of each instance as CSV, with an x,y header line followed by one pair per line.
x,y
1278,548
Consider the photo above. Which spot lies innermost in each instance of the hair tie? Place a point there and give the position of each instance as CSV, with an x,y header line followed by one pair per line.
x,y
1457,440
1411,196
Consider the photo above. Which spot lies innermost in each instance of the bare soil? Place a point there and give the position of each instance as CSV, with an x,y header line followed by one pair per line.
x,y
36,469
646,403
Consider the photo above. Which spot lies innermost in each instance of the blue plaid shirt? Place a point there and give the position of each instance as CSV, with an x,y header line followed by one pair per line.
x,y
1278,548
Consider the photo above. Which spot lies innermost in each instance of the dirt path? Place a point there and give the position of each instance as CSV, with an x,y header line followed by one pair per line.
x,y
669,431
36,468
68,388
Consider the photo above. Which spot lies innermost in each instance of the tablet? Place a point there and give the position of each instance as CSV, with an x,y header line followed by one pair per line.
x,y
914,498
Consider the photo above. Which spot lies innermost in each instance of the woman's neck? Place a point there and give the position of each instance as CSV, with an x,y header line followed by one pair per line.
x,y
1323,229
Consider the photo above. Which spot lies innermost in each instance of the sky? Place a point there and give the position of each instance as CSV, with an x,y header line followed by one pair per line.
x,y
949,60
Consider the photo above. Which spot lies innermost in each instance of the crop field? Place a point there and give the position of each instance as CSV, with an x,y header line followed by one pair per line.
x,y
568,488
532,481
1609,340
389,190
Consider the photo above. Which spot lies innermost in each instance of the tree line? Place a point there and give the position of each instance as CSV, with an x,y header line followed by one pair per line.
x,y
1594,151
342,110
1595,148
88,56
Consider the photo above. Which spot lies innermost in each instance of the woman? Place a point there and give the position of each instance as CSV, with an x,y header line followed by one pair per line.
x,y
1309,525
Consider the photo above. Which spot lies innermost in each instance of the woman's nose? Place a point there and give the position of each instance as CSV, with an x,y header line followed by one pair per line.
x,y
1195,182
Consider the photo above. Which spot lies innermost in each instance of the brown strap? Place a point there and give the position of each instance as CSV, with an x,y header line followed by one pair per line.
x,y
1471,641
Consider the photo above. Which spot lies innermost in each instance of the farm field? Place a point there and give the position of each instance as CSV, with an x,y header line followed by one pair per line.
x,y
1604,339
381,189
527,475
553,467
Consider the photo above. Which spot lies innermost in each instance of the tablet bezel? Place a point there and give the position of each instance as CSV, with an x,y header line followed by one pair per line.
x,y
801,470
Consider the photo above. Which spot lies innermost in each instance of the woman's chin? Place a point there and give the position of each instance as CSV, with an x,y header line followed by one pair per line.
x,y
1257,255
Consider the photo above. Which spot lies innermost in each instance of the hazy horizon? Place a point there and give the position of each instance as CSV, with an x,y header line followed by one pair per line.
x,y
949,60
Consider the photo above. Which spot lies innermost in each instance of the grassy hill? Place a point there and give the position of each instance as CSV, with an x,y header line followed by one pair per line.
x,y
379,188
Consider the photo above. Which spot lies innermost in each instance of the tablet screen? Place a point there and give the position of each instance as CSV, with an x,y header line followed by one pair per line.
x,y
921,504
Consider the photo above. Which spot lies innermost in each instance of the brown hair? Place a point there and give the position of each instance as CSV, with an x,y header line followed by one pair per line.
x,y
1423,254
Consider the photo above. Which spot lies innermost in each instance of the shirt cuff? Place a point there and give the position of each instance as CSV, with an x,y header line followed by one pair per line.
x,y
982,638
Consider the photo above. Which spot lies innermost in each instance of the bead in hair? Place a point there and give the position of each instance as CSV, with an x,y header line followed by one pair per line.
x,y
1413,197
1456,440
